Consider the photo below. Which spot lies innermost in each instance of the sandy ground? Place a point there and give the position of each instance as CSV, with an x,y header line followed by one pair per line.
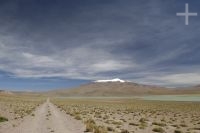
x,y
46,119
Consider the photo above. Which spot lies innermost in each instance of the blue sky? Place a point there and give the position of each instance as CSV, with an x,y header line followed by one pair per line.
x,y
47,44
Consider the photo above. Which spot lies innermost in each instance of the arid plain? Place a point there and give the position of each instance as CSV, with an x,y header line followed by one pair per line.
x,y
42,113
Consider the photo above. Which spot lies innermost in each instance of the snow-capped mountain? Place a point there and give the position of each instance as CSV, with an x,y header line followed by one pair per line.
x,y
110,80
120,88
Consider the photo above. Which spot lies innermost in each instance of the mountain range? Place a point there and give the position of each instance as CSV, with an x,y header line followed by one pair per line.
x,y
120,88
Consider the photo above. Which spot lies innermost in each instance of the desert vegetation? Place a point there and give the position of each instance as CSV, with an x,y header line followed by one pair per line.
x,y
132,116
15,107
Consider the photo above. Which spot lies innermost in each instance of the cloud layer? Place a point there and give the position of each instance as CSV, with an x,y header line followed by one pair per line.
x,y
141,41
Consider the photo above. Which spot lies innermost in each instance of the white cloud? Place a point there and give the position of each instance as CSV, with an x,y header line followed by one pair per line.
x,y
183,78
84,63
95,48
78,62
171,80
110,65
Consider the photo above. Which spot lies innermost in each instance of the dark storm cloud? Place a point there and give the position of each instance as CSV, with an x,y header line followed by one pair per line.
x,y
142,41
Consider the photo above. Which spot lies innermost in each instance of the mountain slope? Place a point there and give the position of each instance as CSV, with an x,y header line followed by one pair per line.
x,y
111,89
121,88
188,90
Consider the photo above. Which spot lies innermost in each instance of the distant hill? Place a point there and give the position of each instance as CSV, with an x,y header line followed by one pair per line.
x,y
115,87
110,88
120,88
188,90
4,92
19,93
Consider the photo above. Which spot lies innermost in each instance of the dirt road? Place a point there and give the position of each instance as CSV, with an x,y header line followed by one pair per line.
x,y
47,119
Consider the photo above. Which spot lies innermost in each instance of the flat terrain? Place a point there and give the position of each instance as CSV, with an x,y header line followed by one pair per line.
x,y
99,115
183,98
45,119
15,107
107,115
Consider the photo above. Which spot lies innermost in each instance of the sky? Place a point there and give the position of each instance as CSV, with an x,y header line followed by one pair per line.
x,y
49,44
